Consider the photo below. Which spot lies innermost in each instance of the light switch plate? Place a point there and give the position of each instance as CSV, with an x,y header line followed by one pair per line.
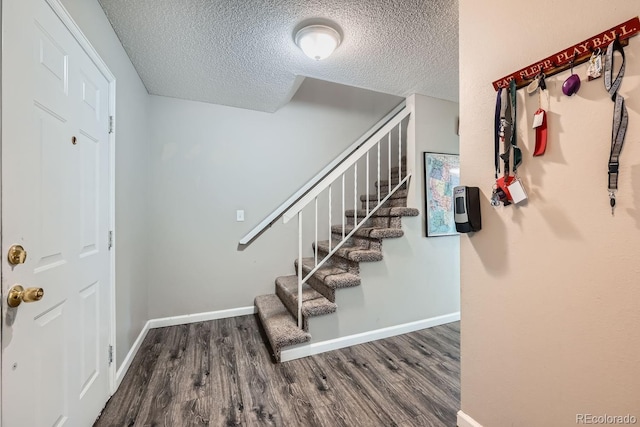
x,y
239,215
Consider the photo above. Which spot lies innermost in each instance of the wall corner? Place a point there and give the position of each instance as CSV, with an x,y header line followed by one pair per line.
x,y
412,197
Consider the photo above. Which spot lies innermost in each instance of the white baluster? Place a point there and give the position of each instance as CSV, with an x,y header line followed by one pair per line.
x,y
400,152
330,217
378,173
389,175
355,194
343,215
367,187
300,269
316,245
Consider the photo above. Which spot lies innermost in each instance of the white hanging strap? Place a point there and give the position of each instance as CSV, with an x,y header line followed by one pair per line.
x,y
620,117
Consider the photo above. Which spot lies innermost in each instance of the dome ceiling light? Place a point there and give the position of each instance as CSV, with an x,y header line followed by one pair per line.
x,y
317,41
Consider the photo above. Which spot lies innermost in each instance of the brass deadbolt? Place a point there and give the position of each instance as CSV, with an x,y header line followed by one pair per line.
x,y
17,255
18,294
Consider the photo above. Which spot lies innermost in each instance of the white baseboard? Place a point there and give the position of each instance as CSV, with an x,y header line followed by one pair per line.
x,y
465,420
126,363
173,321
200,317
305,350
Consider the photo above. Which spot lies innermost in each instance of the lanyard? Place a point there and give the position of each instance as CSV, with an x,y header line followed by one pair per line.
x,y
517,154
497,133
505,124
620,117
505,129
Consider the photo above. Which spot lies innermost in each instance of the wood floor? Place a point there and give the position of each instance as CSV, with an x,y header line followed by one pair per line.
x,y
220,373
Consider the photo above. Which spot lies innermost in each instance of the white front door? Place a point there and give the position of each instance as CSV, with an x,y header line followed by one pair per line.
x,y
55,204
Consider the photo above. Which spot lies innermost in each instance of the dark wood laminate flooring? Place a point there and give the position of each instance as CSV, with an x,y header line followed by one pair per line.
x,y
220,373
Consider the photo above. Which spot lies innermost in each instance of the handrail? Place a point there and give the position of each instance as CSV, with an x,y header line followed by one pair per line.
x,y
313,182
344,166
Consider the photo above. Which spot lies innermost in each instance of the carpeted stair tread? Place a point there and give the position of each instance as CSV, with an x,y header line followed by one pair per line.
x,y
351,253
313,303
385,182
384,189
280,326
385,212
396,199
331,276
390,203
369,232
400,194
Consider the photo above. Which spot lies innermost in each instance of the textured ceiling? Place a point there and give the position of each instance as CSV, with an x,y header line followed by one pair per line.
x,y
241,52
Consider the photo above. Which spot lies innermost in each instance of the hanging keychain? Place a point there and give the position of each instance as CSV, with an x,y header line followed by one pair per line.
x,y
594,70
572,84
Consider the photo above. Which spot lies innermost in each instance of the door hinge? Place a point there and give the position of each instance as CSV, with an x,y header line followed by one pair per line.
x,y
111,124
110,354
110,239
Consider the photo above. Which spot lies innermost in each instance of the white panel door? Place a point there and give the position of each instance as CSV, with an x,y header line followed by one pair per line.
x,y
55,203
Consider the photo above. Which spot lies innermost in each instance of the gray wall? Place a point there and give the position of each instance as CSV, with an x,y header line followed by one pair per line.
x,y
131,174
209,160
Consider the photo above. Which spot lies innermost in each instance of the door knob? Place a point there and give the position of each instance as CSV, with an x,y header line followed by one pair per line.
x,y
18,294
17,255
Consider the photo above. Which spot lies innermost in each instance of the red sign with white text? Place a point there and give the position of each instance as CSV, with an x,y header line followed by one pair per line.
x,y
578,53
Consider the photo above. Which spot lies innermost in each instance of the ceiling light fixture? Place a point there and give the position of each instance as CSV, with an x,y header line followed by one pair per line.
x,y
317,41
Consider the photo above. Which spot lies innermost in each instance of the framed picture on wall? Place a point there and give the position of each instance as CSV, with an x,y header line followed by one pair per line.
x,y
441,174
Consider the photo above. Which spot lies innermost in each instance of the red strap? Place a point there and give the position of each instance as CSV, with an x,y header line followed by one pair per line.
x,y
541,134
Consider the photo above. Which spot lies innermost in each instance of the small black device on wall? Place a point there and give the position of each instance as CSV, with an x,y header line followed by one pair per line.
x,y
466,209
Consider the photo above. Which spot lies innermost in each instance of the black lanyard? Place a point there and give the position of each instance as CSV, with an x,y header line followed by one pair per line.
x,y
620,117
513,141
497,133
505,123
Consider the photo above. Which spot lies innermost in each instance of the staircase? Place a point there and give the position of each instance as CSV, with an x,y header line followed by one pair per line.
x,y
376,161
278,312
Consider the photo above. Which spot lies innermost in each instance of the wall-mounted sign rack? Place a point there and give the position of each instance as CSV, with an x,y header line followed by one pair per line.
x,y
578,53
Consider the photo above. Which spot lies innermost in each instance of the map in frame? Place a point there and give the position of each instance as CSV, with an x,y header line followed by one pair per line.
x,y
442,173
